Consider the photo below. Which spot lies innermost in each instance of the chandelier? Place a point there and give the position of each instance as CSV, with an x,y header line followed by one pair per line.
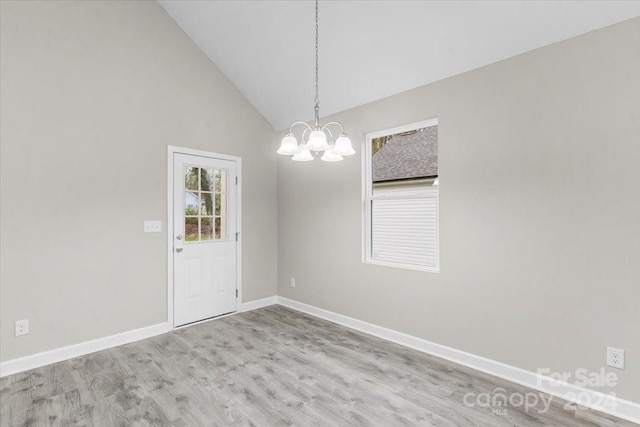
x,y
319,138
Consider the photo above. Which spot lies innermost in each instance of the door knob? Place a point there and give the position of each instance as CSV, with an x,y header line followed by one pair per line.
x,y
179,249
179,237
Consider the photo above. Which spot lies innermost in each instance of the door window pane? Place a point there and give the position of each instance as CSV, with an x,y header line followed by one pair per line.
x,y
206,229
221,204
206,179
220,180
210,177
191,178
206,204
218,228
190,229
191,203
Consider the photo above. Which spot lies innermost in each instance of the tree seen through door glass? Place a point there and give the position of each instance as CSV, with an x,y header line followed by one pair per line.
x,y
205,204
206,232
218,228
191,178
190,228
221,205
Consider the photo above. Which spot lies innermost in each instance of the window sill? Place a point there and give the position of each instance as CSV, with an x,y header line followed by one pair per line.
x,y
401,265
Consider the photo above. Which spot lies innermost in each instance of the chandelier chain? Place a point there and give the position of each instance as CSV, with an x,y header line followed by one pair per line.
x,y
317,99
319,138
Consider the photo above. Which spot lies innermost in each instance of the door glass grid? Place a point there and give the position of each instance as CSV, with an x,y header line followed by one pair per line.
x,y
205,213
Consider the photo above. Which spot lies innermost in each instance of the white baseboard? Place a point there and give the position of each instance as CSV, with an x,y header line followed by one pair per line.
x,y
76,350
259,303
620,408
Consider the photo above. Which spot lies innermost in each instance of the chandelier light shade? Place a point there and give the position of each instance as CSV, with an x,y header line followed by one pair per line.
x,y
319,138
343,146
331,156
289,145
303,154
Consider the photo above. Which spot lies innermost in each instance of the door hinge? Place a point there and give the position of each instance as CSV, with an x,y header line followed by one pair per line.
x,y
236,293
236,180
237,235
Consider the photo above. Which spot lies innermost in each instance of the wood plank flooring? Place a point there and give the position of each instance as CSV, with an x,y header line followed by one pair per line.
x,y
268,367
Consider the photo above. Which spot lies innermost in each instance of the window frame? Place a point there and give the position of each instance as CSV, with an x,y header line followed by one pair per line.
x,y
367,197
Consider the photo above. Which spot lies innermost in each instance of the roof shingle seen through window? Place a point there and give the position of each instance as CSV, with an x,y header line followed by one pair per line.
x,y
407,156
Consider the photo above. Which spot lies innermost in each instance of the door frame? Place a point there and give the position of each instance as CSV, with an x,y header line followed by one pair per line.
x,y
171,150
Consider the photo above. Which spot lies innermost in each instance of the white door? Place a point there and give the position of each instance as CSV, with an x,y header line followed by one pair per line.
x,y
204,244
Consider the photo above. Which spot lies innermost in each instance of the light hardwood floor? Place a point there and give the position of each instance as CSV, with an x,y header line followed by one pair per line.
x,y
268,367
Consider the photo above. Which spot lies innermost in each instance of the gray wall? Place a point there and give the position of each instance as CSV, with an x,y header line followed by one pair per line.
x,y
91,95
540,212
540,191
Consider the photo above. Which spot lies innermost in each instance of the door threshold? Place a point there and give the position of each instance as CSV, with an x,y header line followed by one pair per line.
x,y
197,322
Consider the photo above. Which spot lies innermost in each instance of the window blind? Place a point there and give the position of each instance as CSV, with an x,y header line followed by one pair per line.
x,y
404,229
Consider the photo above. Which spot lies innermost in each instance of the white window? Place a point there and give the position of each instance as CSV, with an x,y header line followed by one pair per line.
x,y
401,197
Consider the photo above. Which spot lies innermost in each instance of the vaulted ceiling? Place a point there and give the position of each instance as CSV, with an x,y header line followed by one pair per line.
x,y
371,49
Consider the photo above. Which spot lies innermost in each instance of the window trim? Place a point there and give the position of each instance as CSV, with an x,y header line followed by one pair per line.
x,y
367,197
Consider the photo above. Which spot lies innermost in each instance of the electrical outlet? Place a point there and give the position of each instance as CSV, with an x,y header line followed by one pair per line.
x,y
22,327
152,226
293,282
615,357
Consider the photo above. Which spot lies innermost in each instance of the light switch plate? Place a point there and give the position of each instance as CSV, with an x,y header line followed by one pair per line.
x,y
152,226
